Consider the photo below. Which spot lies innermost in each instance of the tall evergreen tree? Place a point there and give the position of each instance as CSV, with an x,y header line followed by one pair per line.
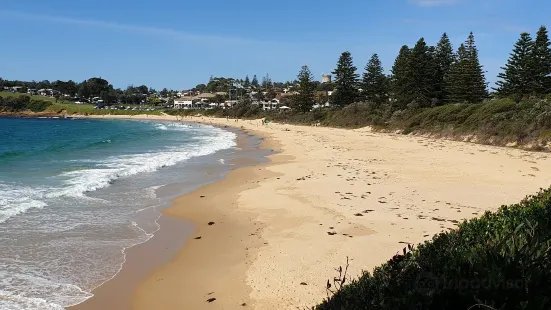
x,y
346,81
477,80
304,100
466,81
255,81
84,90
399,79
518,77
542,62
444,58
374,82
247,82
267,82
421,74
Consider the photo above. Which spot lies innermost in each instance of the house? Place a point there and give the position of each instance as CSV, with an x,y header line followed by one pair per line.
x,y
47,92
230,103
270,105
185,104
204,97
32,91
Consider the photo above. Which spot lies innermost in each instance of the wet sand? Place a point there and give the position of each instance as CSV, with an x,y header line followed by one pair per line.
x,y
279,229
174,233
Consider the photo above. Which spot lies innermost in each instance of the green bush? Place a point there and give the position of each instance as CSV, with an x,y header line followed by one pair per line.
x,y
501,260
37,105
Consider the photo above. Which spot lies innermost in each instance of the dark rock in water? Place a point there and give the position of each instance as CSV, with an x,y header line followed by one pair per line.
x,y
243,304
211,299
211,223
358,214
201,196
303,283
331,233
197,238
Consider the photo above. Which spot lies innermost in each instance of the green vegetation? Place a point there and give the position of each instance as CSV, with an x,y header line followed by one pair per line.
x,y
305,99
20,103
527,71
497,121
501,260
88,109
374,82
34,97
346,81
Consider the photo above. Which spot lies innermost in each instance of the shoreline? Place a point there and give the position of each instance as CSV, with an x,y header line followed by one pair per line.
x,y
282,227
174,233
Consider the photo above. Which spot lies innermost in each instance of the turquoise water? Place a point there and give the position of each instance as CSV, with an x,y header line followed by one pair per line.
x,y
74,193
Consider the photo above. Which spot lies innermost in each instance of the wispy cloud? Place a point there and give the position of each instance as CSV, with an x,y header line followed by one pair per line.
x,y
433,3
166,33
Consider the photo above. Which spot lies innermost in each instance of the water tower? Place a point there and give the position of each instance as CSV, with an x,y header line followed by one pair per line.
x,y
326,78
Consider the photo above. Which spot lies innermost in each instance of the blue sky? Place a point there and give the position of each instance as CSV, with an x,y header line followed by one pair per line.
x,y
178,44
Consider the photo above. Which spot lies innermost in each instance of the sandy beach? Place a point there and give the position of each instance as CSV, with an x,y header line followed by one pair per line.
x,y
269,236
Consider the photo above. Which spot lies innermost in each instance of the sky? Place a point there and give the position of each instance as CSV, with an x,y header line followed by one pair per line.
x,y
178,44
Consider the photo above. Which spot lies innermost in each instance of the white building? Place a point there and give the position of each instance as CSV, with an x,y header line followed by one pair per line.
x,y
183,104
269,105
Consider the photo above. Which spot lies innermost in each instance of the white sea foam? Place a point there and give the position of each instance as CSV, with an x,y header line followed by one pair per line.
x,y
15,200
161,127
44,294
9,301
45,283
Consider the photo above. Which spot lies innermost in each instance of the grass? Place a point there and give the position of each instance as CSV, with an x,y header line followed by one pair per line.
x,y
49,99
88,109
72,108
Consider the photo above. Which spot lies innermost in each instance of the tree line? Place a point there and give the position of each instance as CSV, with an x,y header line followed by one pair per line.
x,y
87,89
427,76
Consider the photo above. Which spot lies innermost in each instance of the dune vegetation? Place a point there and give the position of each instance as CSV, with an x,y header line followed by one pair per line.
x,y
499,261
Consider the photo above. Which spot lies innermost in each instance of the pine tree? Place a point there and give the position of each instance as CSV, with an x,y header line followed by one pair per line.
x,y
304,100
421,75
84,90
346,81
254,82
518,76
267,82
399,79
542,62
477,81
374,82
444,58
247,82
466,82
455,84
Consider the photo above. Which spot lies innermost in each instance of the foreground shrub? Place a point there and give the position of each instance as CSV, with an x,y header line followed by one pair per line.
x,y
501,260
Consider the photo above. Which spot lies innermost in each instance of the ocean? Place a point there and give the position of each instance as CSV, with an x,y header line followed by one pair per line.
x,y
75,193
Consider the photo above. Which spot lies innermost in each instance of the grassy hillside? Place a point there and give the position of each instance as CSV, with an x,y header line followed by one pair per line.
x,y
49,99
24,105
499,261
